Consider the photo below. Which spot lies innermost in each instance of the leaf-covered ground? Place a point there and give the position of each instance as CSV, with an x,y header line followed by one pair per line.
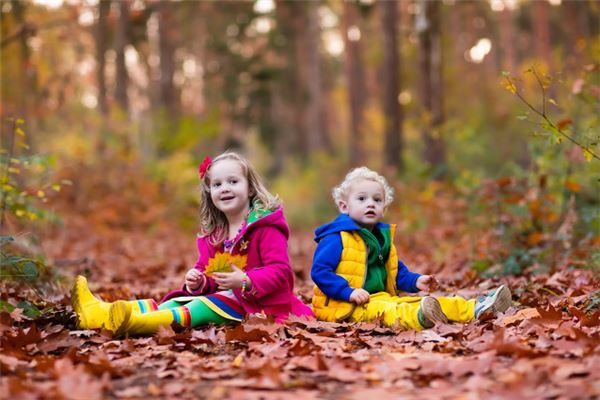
x,y
547,346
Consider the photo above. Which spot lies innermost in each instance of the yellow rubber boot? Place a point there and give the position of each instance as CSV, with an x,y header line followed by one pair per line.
x,y
126,321
92,313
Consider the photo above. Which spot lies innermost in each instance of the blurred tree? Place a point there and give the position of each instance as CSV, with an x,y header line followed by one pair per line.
x,y
318,137
540,11
167,29
507,44
121,42
355,79
101,44
430,64
391,85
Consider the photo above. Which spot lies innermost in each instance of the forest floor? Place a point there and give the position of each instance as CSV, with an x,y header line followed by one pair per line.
x,y
546,346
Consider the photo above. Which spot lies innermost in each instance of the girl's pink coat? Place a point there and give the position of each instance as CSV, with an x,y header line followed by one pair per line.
x,y
268,267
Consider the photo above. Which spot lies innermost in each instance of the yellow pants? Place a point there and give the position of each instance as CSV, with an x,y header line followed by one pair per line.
x,y
403,311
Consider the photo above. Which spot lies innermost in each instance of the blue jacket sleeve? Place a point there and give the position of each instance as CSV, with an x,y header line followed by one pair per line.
x,y
325,261
406,281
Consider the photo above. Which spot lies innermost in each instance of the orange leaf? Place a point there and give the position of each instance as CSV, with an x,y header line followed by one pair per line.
x,y
573,186
562,124
534,238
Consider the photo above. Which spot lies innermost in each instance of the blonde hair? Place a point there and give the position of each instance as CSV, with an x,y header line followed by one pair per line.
x,y
340,192
213,222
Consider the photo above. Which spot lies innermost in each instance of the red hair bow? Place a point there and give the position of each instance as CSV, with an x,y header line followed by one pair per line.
x,y
204,166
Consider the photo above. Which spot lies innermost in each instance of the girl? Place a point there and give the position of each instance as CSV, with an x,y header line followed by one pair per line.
x,y
239,218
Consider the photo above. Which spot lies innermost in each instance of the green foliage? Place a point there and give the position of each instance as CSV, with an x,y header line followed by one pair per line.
x,y
18,268
23,178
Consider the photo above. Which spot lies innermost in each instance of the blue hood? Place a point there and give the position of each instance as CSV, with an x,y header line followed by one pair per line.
x,y
342,223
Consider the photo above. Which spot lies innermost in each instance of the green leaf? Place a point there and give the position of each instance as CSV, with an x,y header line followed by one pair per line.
x,y
30,271
29,309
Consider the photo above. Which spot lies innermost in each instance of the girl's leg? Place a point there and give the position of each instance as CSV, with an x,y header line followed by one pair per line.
x,y
92,313
191,314
458,309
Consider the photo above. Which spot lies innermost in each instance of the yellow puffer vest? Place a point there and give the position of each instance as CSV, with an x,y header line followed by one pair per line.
x,y
353,268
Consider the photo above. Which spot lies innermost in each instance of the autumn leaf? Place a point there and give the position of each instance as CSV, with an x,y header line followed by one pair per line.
x,y
221,262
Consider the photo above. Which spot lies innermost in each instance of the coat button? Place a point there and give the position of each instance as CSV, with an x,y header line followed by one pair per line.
x,y
381,257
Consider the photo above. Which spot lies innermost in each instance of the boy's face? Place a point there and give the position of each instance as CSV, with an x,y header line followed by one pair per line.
x,y
364,202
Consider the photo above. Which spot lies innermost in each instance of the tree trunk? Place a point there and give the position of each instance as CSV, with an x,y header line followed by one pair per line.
x,y
121,42
101,43
391,85
507,40
430,60
355,80
167,32
318,138
290,112
28,99
541,30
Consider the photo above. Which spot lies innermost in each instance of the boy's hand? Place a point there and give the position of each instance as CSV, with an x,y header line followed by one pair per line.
x,y
360,296
194,279
230,280
428,283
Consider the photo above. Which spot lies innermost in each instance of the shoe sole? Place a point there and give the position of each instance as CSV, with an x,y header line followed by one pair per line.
x,y
432,311
76,302
502,299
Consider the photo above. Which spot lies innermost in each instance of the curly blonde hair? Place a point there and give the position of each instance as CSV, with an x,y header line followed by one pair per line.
x,y
213,222
340,192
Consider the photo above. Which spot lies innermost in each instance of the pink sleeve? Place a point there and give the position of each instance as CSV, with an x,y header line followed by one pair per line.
x,y
204,253
276,271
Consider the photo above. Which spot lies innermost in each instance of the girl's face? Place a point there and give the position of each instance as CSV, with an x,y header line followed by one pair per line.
x,y
229,187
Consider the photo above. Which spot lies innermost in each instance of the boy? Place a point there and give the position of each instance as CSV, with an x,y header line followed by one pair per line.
x,y
357,272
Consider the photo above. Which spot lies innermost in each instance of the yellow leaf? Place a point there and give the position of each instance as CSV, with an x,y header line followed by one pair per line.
x,y
510,86
14,170
19,121
221,262
20,132
558,139
19,213
56,187
7,188
237,361
588,154
40,194
23,145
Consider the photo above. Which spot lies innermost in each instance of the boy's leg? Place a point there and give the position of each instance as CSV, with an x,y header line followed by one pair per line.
x,y
410,312
458,309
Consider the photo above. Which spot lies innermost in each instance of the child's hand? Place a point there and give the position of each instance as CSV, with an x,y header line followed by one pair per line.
x,y
428,283
230,280
194,279
360,296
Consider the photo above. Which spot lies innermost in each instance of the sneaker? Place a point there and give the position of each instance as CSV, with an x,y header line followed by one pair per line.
x,y
430,312
496,301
